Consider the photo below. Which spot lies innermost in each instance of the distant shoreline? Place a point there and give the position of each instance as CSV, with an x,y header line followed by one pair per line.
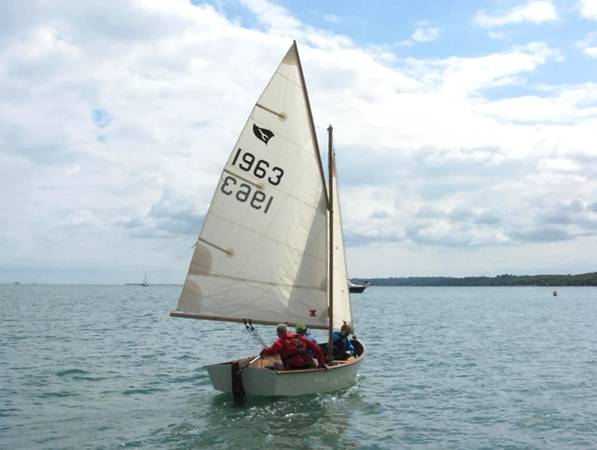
x,y
585,279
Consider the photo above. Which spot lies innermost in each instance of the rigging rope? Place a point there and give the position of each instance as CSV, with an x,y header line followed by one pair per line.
x,y
251,329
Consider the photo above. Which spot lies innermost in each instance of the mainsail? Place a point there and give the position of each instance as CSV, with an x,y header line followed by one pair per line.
x,y
262,251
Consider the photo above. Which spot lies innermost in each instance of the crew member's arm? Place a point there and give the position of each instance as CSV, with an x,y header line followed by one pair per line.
x,y
318,353
272,349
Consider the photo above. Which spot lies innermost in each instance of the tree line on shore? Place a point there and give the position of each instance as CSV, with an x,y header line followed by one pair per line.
x,y
584,279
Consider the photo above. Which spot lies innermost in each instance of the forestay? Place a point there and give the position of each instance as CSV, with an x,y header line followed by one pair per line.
x,y
262,251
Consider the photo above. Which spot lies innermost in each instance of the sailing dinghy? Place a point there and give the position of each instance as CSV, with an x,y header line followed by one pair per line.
x,y
271,244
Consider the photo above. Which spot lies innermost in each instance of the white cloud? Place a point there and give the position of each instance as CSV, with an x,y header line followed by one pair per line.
x,y
80,218
116,119
276,18
422,34
425,34
588,9
538,11
564,106
589,45
497,35
470,75
331,18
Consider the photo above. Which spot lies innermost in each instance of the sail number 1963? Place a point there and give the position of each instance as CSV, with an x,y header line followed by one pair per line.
x,y
244,192
258,167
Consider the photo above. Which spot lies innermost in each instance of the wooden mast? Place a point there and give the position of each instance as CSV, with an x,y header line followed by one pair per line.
x,y
330,246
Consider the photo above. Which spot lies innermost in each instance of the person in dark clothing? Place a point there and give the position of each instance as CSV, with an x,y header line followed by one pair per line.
x,y
343,347
294,350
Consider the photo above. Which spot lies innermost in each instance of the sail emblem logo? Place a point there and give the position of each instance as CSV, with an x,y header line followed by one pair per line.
x,y
263,134
312,313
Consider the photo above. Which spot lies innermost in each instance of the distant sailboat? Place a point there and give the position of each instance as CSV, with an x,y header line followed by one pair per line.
x,y
271,245
144,284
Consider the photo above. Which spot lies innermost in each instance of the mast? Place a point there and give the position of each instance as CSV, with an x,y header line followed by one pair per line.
x,y
331,246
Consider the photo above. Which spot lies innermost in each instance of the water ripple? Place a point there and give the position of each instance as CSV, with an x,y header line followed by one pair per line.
x,y
447,368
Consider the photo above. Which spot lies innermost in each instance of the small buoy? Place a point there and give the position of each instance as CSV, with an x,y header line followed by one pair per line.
x,y
555,293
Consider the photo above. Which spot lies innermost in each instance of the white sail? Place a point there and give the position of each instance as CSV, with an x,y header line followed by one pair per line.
x,y
262,251
342,309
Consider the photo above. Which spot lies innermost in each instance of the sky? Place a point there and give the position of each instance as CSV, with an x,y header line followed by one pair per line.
x,y
465,131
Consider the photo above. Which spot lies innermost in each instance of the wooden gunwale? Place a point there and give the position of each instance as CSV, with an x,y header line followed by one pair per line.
x,y
338,364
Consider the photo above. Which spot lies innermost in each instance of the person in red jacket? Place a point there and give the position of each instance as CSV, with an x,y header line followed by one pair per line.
x,y
294,350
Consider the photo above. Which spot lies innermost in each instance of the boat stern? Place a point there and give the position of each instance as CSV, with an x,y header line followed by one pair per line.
x,y
220,376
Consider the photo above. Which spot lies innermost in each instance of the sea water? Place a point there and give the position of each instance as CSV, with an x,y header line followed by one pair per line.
x,y
457,368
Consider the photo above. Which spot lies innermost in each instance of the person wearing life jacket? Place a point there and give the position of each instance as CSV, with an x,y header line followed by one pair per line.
x,y
343,347
302,330
294,350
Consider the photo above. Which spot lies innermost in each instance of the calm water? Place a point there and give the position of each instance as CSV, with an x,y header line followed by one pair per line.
x,y
457,368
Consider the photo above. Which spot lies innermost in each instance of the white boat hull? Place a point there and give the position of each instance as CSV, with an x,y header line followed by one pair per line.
x,y
260,381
